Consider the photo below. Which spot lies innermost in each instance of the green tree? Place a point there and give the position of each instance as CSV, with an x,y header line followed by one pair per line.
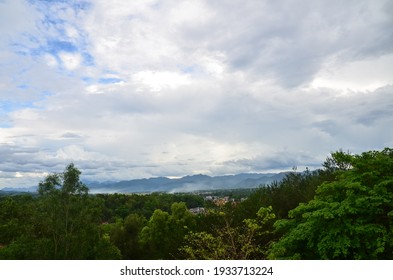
x,y
68,219
155,236
350,217
17,228
338,161
231,242
63,210
283,196
15,217
164,232
125,234
181,221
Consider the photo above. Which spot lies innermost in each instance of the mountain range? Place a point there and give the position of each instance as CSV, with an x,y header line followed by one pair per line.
x,y
187,183
183,184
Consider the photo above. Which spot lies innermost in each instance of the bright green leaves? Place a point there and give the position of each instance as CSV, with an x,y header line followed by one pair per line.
x,y
264,215
350,218
164,232
230,241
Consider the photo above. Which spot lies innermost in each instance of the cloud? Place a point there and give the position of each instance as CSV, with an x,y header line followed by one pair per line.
x,y
70,61
162,88
10,25
367,74
289,42
157,81
70,135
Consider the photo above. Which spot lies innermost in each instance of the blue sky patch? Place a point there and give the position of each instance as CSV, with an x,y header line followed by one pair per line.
x,y
88,59
88,80
5,125
23,86
109,80
59,46
10,106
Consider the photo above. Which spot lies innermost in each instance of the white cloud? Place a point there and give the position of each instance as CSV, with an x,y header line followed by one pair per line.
x,y
190,14
368,74
71,61
51,60
163,88
74,152
157,81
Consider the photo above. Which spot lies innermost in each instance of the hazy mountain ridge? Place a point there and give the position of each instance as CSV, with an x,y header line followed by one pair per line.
x,y
12,190
185,184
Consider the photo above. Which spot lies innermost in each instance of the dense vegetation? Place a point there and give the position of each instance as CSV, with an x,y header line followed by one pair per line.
x,y
342,211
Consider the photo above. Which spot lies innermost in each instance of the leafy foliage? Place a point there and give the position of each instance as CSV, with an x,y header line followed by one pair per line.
x,y
229,242
62,225
164,232
350,218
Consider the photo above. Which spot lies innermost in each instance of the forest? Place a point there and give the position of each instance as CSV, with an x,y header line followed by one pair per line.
x,y
344,210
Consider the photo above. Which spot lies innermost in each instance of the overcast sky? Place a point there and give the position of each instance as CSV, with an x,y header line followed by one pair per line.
x,y
143,88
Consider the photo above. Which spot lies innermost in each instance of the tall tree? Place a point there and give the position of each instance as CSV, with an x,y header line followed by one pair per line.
x,y
70,218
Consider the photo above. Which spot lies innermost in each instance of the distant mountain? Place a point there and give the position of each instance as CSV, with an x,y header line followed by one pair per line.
x,y
187,183
29,189
184,184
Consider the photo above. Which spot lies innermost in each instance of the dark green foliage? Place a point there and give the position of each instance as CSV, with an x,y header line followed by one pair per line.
x,y
338,161
15,216
121,205
125,234
17,222
283,196
62,223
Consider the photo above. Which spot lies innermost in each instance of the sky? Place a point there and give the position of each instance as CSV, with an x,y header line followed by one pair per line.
x,y
148,88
